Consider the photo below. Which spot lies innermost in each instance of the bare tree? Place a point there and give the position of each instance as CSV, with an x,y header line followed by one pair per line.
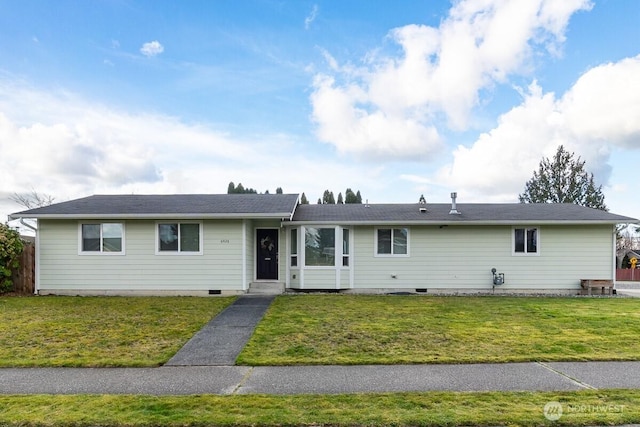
x,y
33,199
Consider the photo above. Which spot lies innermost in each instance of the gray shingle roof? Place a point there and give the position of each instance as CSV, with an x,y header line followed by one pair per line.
x,y
174,205
283,206
477,213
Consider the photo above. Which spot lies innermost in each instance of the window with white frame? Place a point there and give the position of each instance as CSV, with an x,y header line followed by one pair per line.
x,y
319,247
526,240
294,247
102,238
179,237
345,247
392,241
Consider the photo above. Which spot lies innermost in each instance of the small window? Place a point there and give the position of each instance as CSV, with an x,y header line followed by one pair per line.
x,y
392,241
294,247
102,238
179,238
345,247
525,240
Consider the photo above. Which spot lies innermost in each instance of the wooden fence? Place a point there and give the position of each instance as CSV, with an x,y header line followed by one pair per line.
x,y
628,274
24,278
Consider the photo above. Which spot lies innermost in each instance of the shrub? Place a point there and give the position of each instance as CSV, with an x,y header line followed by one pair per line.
x,y
11,247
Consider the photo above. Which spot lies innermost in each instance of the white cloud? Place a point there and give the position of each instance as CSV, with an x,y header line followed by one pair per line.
x,y
151,49
392,105
311,17
597,115
60,144
378,134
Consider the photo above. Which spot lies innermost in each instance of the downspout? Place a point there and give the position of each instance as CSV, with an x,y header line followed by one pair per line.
x,y
615,255
244,256
27,225
36,287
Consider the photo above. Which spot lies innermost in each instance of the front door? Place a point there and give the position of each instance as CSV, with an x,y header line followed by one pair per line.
x,y
267,254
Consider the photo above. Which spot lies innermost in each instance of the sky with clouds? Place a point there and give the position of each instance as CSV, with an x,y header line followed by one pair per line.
x,y
395,99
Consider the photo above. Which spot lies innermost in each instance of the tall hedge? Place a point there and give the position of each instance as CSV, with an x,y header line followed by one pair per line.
x,y
11,247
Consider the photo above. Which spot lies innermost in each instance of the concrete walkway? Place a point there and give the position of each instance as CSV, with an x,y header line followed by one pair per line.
x,y
279,380
220,342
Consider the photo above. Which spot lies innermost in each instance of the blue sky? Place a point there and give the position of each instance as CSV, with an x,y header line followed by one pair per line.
x,y
395,99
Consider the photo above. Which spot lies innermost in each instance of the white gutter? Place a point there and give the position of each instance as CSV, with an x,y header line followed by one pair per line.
x,y
461,223
27,225
274,215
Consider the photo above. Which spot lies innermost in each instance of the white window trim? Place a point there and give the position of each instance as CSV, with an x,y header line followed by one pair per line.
x,y
391,255
100,252
513,240
178,252
303,232
297,247
342,254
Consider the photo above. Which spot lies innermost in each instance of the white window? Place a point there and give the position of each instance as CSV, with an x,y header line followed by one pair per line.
x,y
319,247
179,237
345,247
294,247
102,238
392,242
526,241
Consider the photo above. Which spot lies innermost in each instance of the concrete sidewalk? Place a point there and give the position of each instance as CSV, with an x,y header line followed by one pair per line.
x,y
280,380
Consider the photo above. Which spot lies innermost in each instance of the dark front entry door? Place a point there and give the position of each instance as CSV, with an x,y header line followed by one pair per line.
x,y
267,254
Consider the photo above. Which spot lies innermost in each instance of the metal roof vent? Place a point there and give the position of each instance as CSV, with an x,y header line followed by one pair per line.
x,y
423,204
453,210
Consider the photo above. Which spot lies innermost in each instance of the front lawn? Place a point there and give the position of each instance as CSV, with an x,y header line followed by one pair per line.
x,y
99,331
359,329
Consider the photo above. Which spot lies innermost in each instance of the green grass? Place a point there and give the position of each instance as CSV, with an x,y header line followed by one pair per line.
x,y
603,407
99,331
358,329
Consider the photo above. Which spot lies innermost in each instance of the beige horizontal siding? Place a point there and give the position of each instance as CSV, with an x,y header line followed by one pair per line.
x,y
462,257
219,267
320,278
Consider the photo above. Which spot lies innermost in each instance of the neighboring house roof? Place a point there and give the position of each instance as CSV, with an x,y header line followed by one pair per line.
x,y
480,213
170,206
635,253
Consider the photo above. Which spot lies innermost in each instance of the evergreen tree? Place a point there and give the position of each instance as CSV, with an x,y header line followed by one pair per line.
x,y
340,201
239,189
358,197
303,199
350,196
563,179
319,201
328,198
279,190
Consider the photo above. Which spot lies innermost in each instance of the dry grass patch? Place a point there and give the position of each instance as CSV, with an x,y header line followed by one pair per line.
x,y
99,331
358,329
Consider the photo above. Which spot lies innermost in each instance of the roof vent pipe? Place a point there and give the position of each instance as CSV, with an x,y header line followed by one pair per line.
x,y
453,210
